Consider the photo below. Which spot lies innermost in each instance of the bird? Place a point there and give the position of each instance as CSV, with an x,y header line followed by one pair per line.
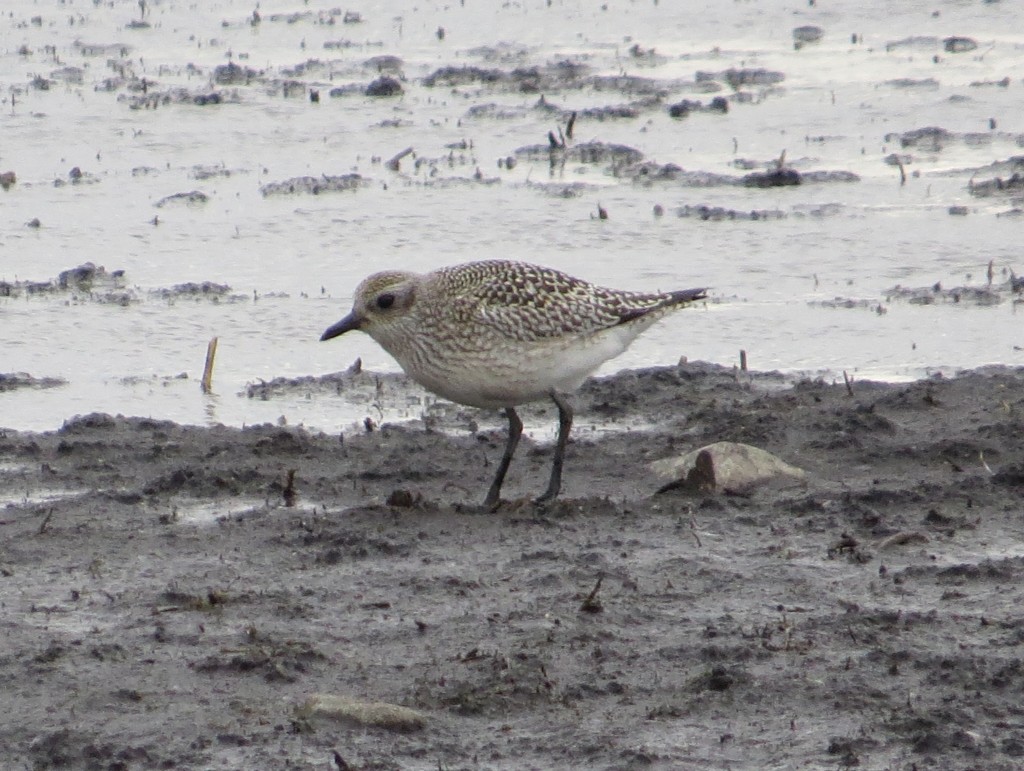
x,y
496,334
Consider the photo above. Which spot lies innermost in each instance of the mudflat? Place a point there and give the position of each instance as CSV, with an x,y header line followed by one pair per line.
x,y
274,598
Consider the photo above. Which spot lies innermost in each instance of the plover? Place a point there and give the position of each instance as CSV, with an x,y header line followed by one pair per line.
x,y
497,334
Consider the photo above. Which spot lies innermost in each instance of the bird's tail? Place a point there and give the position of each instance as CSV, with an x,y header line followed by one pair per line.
x,y
686,296
672,299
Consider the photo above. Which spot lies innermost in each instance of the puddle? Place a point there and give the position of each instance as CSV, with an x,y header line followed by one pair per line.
x,y
13,499
202,513
9,467
209,512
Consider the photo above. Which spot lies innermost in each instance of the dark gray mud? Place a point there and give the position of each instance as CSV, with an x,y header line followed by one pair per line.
x,y
89,283
164,607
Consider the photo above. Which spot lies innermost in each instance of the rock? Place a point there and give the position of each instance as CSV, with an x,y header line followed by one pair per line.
x,y
314,185
681,109
932,138
930,84
384,86
193,289
807,34
450,76
620,156
780,177
384,64
935,294
921,42
725,466
82,275
737,78
233,74
375,714
898,159
11,380
958,45
718,213
825,175
192,198
1013,185
204,99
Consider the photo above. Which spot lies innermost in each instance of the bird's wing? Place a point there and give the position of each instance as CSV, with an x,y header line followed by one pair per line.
x,y
525,302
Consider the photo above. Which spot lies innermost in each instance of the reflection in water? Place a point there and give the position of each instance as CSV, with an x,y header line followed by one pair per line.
x,y
210,402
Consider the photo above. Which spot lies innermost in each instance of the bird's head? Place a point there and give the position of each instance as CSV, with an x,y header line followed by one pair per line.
x,y
382,303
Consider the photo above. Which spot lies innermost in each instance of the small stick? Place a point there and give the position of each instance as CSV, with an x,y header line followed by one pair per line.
x,y
743,360
849,383
46,520
693,531
570,125
903,172
211,352
393,163
981,457
592,604
289,491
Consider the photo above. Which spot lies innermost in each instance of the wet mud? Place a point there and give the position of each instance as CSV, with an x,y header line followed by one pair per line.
x,y
90,283
268,597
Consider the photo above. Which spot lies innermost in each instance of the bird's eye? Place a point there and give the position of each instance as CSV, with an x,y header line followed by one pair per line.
x,y
385,301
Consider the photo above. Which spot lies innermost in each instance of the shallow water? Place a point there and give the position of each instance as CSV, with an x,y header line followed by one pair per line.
x,y
293,260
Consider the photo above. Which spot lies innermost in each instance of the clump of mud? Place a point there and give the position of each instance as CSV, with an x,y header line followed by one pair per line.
x,y
92,283
15,380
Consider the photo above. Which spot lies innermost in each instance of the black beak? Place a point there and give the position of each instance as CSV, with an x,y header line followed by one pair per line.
x,y
347,324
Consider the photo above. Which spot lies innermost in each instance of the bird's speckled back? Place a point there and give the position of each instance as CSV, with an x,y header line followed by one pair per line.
x,y
527,303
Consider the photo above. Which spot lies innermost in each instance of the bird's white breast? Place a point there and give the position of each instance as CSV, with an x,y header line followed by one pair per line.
x,y
513,374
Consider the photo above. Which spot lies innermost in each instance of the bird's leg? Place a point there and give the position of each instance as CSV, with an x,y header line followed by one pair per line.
x,y
515,430
564,424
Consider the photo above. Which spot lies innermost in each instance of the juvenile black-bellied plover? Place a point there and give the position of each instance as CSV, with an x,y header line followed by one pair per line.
x,y
497,334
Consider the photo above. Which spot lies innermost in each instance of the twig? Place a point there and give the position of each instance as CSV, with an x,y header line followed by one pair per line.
x,y
592,604
45,524
981,457
211,352
849,383
289,493
903,172
693,530
743,360
393,164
